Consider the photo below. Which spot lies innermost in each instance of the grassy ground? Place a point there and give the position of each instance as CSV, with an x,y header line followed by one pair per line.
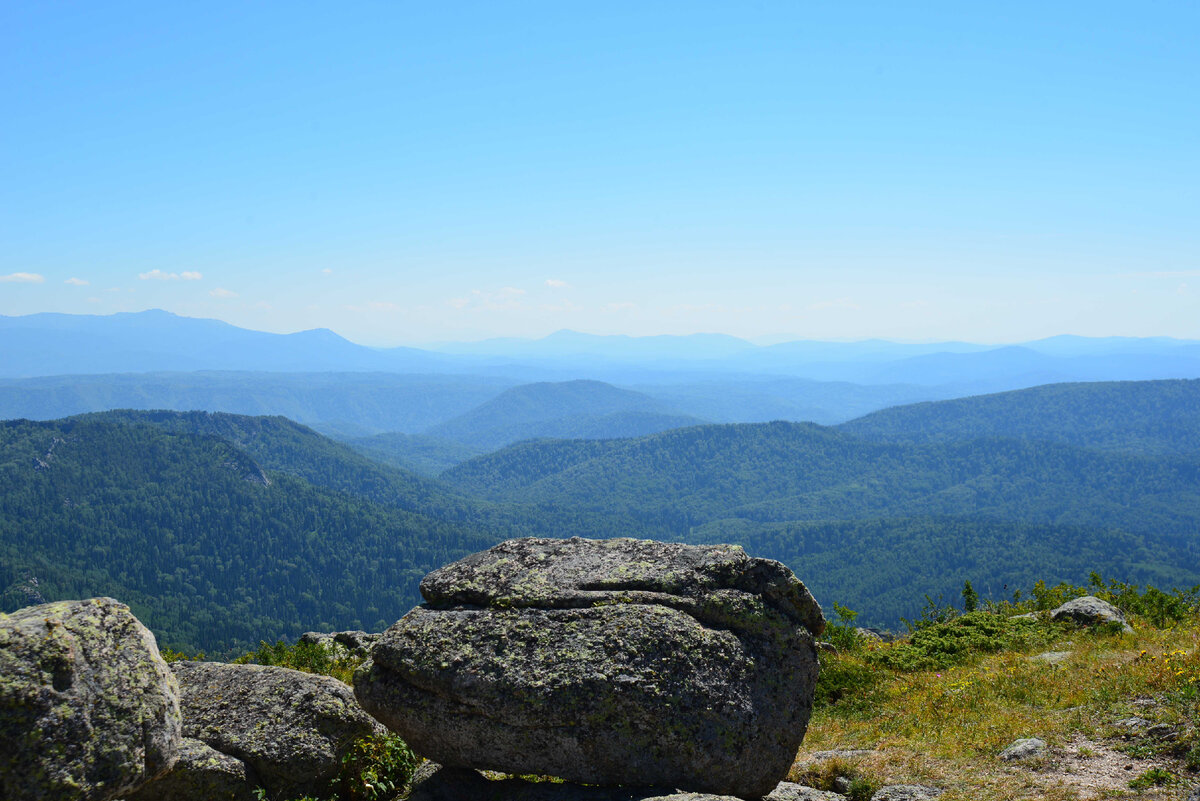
x,y
943,716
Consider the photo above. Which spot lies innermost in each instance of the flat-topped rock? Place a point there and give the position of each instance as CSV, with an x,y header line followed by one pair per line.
x,y
609,662
1091,611
88,709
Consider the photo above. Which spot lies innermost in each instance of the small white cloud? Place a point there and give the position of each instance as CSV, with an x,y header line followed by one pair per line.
x,y
506,298
22,278
841,303
220,292
555,283
159,275
76,282
327,271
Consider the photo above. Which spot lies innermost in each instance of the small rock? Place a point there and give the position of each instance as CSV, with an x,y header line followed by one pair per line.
x,y
88,709
841,784
1162,731
1026,616
1051,657
906,792
1091,611
201,774
291,728
1134,724
1194,795
788,791
1027,748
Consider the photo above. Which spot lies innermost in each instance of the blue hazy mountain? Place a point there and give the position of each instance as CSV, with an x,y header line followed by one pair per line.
x,y
567,410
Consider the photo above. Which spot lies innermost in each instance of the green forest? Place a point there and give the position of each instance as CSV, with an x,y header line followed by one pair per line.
x,y
221,529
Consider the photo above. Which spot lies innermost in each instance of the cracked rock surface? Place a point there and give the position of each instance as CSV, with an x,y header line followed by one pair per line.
x,y
605,662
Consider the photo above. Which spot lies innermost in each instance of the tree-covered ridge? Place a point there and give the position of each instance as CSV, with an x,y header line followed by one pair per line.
x,y
183,527
1144,417
796,471
863,520
564,410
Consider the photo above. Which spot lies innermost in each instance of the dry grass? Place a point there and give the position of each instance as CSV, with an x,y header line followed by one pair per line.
x,y
946,727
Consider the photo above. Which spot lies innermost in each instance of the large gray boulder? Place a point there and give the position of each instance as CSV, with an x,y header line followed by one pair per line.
x,y
1091,611
201,774
291,728
605,662
88,709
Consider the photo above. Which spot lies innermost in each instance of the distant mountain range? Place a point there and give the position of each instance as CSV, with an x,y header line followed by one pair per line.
x,y
156,341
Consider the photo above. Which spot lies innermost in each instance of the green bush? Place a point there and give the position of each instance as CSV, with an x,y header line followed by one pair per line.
x,y
939,645
374,769
308,657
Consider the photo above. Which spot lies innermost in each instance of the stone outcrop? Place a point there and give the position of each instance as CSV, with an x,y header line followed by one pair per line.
x,y
1091,611
605,662
342,644
88,709
201,774
290,728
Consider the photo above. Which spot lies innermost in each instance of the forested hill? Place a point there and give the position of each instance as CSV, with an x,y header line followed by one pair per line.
x,y
210,543
1146,417
856,518
798,471
279,444
568,409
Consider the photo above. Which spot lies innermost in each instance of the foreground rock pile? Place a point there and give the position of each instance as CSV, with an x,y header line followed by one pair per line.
x,y
611,662
641,669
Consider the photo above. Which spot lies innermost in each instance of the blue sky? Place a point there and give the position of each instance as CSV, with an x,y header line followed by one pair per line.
x,y
402,173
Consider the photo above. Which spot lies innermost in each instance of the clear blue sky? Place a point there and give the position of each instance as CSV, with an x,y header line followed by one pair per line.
x,y
405,172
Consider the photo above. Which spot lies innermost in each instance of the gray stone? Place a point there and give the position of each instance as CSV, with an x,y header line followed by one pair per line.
x,y
291,728
436,783
342,644
605,662
201,774
1026,616
906,792
1194,795
1027,748
1090,611
1051,657
787,791
88,709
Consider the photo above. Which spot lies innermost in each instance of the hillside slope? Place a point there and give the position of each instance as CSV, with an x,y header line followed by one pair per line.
x,y
858,518
211,548
1143,417
570,409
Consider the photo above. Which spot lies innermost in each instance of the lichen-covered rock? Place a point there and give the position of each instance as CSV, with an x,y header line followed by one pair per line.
x,y
88,708
1091,611
201,774
787,791
291,728
1026,748
342,644
906,792
605,662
